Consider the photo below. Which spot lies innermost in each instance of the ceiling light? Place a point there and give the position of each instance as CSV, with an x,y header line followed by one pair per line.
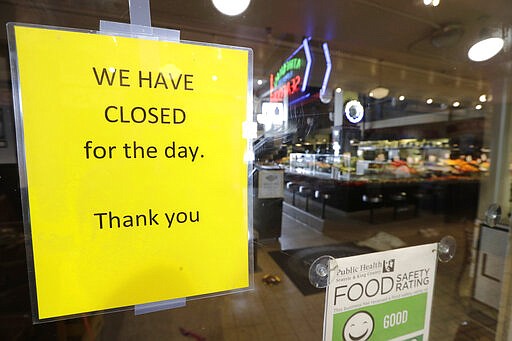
x,y
379,92
338,90
485,49
483,98
231,7
430,100
478,106
401,98
259,82
456,104
434,3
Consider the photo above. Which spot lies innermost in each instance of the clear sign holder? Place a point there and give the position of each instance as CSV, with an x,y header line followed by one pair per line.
x,y
321,267
370,295
139,27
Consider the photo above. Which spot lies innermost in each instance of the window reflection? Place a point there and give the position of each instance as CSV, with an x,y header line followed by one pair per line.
x,y
422,161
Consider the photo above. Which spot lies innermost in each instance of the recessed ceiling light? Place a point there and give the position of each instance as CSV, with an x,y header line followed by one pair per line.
x,y
379,92
483,98
259,82
478,106
338,90
456,104
401,98
430,101
434,3
485,49
231,7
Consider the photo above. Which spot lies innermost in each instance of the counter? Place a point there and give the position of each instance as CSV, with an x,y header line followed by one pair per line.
x,y
454,196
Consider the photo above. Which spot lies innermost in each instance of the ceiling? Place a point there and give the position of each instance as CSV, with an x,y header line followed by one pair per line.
x,y
372,41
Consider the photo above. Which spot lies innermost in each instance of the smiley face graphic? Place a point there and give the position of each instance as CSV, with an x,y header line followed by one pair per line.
x,y
359,327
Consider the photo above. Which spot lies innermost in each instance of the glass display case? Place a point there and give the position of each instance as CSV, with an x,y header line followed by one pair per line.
x,y
411,150
344,166
312,164
323,165
382,159
413,157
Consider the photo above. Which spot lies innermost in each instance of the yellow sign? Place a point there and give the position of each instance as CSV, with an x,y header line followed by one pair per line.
x,y
137,187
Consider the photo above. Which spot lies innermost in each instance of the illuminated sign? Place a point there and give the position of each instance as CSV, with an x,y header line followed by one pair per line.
x,y
354,111
286,69
291,87
293,76
273,115
328,68
129,193
292,80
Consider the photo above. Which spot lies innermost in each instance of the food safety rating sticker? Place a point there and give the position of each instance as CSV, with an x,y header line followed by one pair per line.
x,y
381,296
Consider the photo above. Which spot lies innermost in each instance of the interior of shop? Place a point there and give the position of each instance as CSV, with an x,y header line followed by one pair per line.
x,y
381,133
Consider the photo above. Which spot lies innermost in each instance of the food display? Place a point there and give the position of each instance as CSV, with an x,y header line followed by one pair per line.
x,y
385,160
311,164
434,175
460,166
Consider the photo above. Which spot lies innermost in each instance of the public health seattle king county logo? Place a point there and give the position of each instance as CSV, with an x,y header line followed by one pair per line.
x,y
388,265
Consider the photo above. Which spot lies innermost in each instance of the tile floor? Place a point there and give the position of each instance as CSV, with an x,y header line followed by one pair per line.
x,y
281,312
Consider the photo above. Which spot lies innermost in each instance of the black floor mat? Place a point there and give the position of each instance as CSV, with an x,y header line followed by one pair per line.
x,y
296,263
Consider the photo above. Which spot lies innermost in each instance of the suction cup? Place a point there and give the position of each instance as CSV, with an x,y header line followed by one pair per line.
x,y
493,214
320,269
446,249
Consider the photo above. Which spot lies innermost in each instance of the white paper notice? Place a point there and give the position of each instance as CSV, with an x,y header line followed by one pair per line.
x,y
270,184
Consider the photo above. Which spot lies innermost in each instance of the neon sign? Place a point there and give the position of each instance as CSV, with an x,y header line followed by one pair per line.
x,y
328,68
291,87
293,64
289,80
293,77
309,59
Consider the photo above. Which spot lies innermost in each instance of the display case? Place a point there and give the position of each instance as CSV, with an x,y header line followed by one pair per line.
x,y
343,166
413,151
312,164
384,160
414,157
323,165
365,167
